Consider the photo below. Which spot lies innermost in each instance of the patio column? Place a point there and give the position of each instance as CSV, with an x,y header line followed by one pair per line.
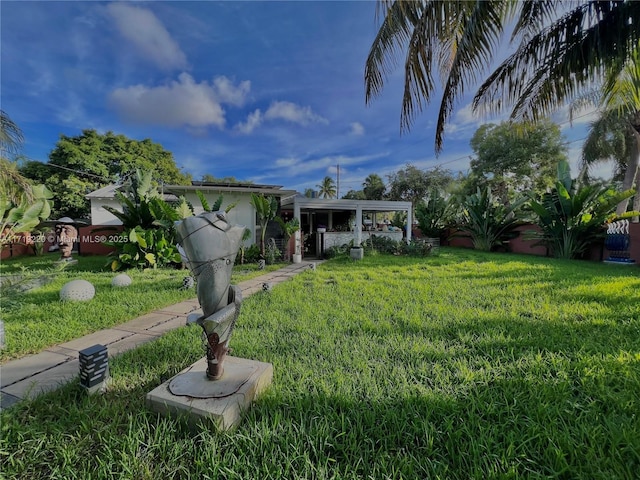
x,y
409,224
358,226
297,236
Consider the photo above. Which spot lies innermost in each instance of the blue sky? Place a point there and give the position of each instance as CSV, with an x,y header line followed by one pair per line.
x,y
271,92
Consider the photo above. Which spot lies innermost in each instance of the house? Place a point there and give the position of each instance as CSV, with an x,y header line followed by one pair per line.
x,y
233,193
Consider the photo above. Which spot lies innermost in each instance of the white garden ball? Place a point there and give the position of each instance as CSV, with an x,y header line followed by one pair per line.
x,y
122,280
77,290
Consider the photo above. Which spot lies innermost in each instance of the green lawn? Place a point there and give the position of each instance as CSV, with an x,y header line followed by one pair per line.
x,y
462,365
37,319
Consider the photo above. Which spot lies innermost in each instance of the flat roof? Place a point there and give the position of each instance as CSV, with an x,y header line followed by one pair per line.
x,y
344,204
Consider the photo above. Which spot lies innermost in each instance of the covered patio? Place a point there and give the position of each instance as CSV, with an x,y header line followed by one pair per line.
x,y
333,222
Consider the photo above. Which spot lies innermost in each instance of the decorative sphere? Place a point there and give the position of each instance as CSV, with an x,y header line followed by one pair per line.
x,y
121,280
77,290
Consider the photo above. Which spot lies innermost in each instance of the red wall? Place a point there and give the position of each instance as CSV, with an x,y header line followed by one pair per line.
x,y
520,245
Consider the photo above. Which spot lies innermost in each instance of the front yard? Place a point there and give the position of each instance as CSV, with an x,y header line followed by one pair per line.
x,y
37,319
456,366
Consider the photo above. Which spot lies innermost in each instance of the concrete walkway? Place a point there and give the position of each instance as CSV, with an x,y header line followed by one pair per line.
x,y
30,376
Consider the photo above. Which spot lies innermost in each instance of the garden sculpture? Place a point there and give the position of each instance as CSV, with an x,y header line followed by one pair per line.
x,y
66,236
210,244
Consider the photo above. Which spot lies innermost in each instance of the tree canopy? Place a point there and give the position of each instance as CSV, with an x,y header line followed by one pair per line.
x,y
78,165
516,157
412,184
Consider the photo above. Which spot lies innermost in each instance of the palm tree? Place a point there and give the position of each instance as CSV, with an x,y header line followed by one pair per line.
x,y
13,185
11,138
327,189
616,133
561,49
373,187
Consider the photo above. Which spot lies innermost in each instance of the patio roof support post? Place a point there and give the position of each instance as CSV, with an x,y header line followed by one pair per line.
x,y
409,224
297,249
330,222
358,226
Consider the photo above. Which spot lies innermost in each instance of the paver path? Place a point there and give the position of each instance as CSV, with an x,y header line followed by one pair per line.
x,y
30,376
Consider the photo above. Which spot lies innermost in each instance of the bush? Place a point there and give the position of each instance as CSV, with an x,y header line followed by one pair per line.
x,y
418,248
271,252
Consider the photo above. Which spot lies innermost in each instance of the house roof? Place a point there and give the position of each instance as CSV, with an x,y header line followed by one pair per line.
x,y
275,190
344,204
109,191
105,192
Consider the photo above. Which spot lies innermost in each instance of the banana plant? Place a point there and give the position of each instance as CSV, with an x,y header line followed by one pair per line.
x,y
148,238
572,216
25,216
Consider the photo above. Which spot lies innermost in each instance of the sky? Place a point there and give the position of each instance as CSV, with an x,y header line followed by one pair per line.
x,y
268,92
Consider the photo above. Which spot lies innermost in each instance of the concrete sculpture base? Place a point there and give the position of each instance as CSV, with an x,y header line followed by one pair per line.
x,y
221,401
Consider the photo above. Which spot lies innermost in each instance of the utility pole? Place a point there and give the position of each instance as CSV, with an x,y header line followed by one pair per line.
x,y
338,182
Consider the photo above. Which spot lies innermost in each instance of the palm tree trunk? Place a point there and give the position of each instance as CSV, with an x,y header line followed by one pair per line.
x,y
632,174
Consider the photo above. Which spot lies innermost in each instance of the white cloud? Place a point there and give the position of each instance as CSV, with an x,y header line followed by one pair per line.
x,y
583,116
465,122
253,121
229,93
357,129
287,162
182,102
148,35
293,113
287,111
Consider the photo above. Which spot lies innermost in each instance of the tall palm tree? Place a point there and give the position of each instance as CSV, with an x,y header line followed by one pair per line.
x,y
560,49
327,189
616,133
373,187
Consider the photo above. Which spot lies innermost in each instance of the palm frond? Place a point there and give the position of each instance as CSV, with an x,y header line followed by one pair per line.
x,y
480,30
562,59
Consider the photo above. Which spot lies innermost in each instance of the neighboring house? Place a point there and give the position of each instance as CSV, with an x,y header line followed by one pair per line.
x,y
239,193
105,196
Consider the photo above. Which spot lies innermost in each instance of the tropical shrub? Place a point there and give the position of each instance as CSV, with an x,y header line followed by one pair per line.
x,y
148,237
572,216
272,253
432,214
288,230
488,222
250,254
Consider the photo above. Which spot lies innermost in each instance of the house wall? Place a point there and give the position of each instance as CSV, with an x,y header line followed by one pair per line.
x,y
242,214
519,245
100,216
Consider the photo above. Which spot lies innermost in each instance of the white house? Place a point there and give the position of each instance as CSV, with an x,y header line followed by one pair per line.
x,y
239,193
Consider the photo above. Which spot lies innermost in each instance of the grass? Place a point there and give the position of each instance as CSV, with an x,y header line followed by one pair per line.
x,y
37,319
463,365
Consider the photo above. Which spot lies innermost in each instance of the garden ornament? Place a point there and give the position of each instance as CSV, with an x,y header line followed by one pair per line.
x,y
210,244
66,236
